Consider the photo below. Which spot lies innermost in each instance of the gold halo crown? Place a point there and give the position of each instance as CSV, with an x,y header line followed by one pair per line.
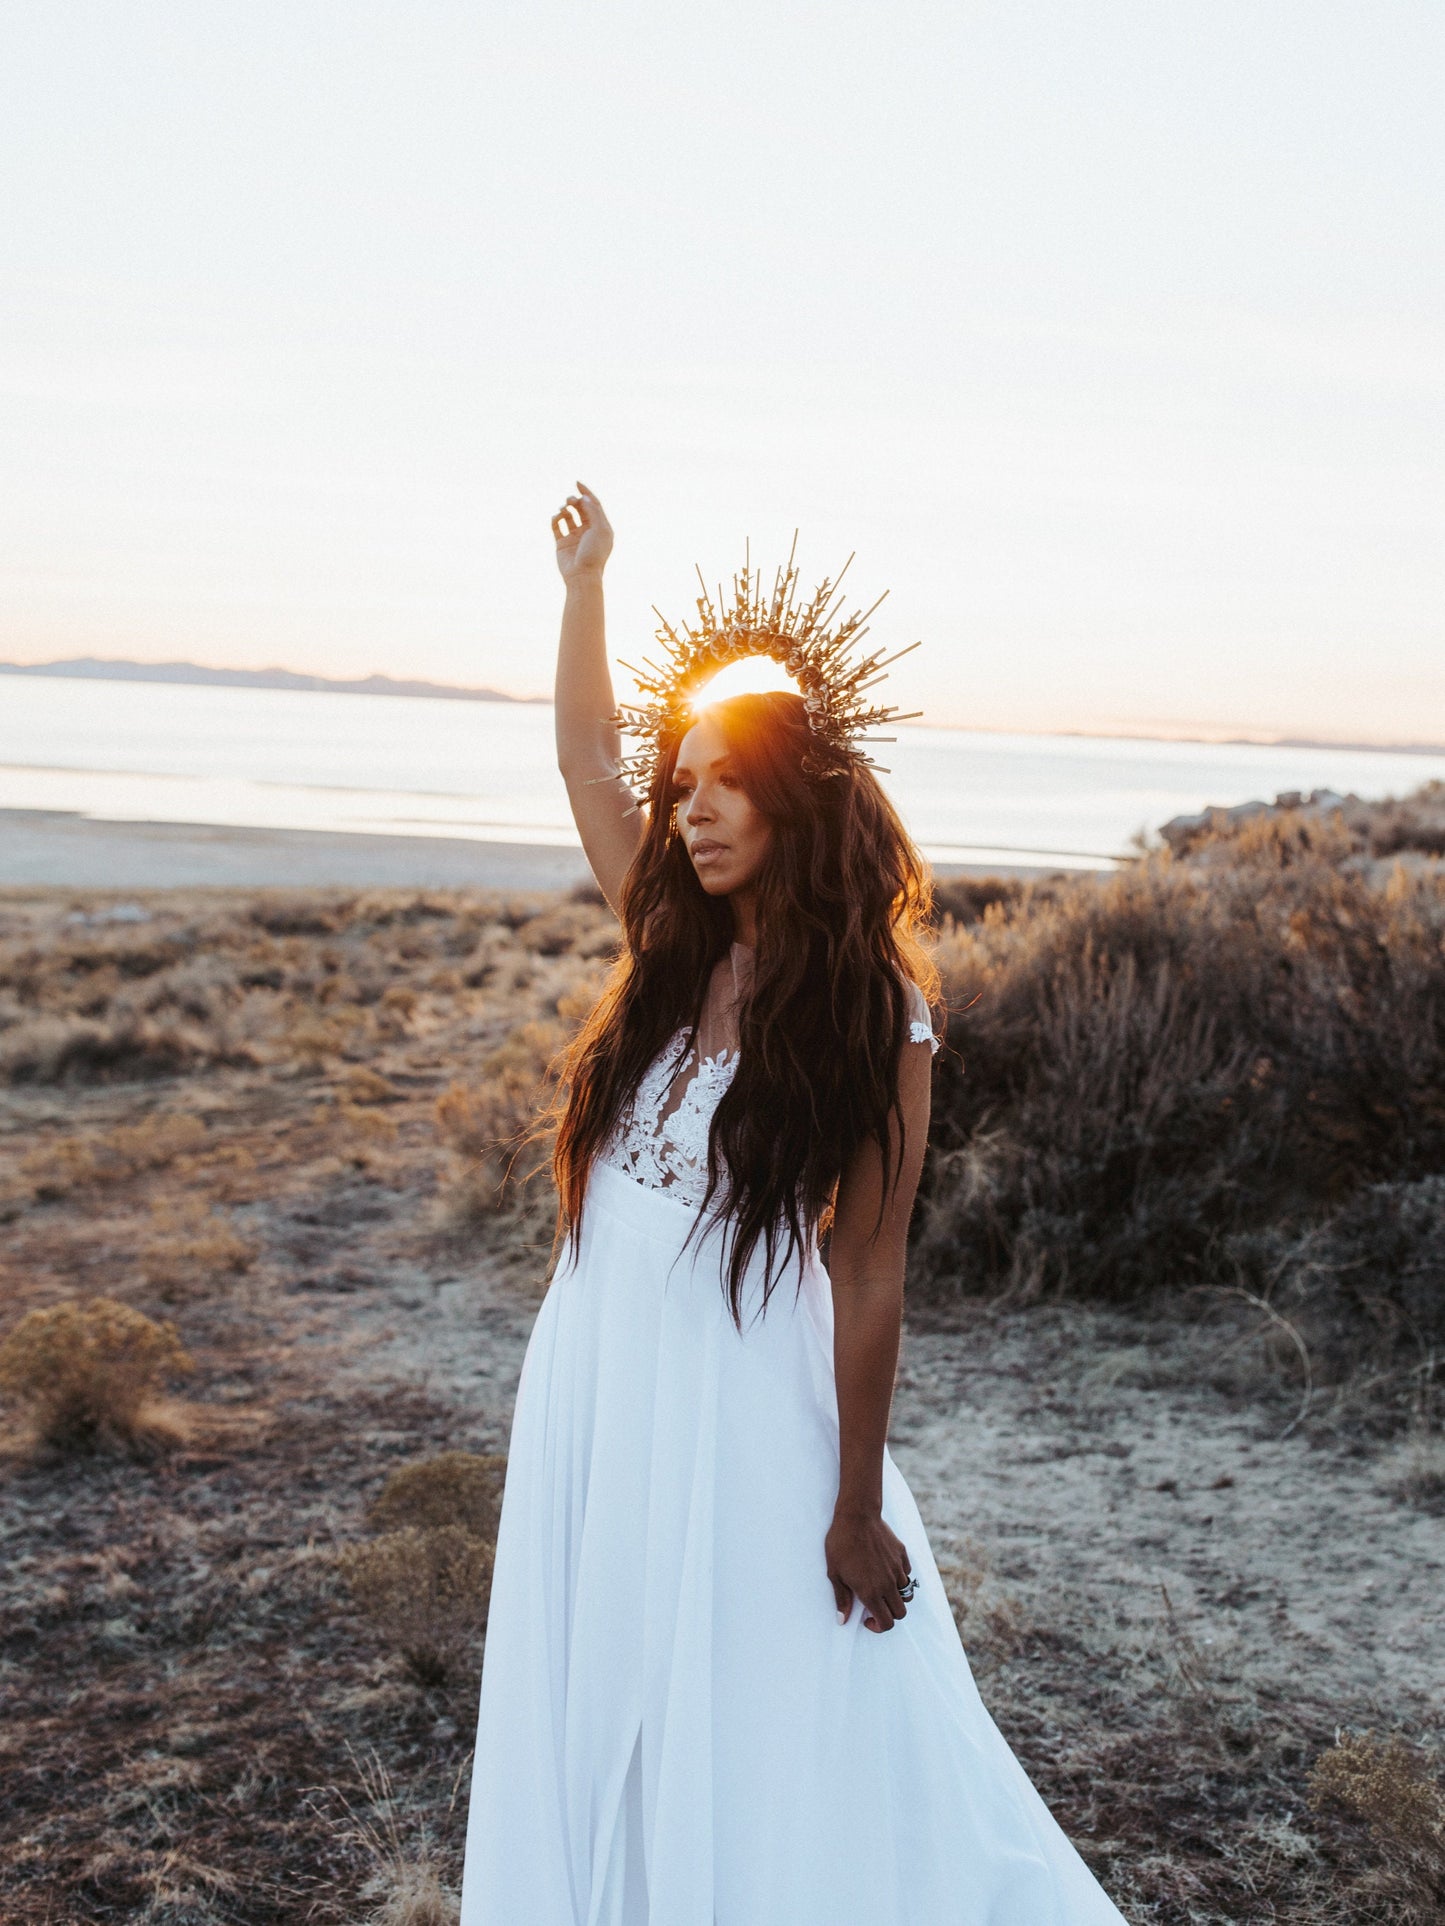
x,y
801,637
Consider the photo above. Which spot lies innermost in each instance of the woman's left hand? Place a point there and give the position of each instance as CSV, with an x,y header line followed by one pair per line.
x,y
868,1562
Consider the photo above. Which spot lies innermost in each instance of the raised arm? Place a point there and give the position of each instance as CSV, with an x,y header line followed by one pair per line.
x,y
588,745
866,1560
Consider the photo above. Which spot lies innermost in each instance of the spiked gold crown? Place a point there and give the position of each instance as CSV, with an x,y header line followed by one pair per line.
x,y
805,639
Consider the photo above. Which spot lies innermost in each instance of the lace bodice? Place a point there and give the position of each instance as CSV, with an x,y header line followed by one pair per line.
x,y
672,1155
661,1139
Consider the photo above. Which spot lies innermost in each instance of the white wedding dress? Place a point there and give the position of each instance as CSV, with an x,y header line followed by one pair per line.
x,y
675,1730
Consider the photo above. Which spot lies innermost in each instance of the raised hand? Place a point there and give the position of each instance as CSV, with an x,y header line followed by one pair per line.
x,y
583,535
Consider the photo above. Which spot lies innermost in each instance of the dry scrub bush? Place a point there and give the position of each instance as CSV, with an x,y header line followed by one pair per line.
x,y
426,1582
1411,825
570,928
1386,1783
314,1040
88,1374
365,1126
191,1247
454,1488
1415,823
110,1157
362,1085
491,1127
56,1048
1375,1270
426,1592
1159,1066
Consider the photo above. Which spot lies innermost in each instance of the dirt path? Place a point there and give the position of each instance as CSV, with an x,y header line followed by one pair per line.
x,y
1087,1461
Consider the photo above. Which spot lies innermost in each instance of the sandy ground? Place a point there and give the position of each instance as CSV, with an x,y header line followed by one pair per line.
x,y
62,849
1081,1453
44,847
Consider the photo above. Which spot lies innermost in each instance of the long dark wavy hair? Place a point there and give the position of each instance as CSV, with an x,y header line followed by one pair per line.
x,y
842,902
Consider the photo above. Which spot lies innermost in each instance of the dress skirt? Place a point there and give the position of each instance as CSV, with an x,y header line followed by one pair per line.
x,y
675,1730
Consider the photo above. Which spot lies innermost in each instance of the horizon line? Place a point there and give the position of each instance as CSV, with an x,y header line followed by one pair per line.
x,y
184,673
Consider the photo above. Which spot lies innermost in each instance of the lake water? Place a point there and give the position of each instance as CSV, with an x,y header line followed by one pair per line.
x,y
155,752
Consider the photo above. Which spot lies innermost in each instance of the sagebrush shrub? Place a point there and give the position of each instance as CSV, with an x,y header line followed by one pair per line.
x,y
454,1488
1387,1784
1154,1063
88,1373
1375,1267
63,1048
426,1591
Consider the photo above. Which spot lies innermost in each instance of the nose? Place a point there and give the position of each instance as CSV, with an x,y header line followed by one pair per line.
x,y
697,809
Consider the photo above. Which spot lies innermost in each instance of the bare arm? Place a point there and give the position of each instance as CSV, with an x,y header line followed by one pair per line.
x,y
866,1560
588,745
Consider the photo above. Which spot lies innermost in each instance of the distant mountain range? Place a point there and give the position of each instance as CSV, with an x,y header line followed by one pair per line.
x,y
96,669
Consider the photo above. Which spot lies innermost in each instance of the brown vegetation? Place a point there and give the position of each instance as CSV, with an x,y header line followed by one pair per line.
x,y
425,1583
454,1488
1390,1786
426,1592
88,1374
1224,1071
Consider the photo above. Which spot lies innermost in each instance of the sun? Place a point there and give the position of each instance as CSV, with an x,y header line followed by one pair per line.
x,y
749,675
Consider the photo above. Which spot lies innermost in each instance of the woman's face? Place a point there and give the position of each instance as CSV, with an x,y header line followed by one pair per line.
x,y
727,838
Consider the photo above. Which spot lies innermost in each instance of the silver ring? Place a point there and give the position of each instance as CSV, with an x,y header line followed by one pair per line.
x,y
908,1588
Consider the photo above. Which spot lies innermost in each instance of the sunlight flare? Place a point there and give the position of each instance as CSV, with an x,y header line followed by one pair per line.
x,y
749,675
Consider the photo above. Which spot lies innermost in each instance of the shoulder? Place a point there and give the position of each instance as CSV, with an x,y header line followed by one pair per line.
x,y
920,1020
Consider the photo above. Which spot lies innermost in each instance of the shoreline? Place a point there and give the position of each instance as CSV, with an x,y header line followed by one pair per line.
x,y
61,849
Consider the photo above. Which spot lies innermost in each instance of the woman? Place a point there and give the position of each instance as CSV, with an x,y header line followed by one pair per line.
x,y
723,1686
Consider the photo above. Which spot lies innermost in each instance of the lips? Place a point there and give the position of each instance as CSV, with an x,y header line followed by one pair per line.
x,y
704,851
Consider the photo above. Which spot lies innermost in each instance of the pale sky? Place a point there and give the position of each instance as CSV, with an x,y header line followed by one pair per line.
x,y
1110,335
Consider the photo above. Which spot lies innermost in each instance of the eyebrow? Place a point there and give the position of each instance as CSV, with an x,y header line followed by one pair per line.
x,y
685,768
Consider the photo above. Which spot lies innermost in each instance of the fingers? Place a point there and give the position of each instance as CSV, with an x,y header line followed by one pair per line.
x,y
883,1611
842,1598
569,521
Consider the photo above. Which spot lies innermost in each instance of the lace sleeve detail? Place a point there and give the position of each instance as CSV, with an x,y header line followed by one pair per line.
x,y
920,1024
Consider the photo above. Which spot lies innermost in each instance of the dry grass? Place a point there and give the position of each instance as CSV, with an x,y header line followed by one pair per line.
x,y
63,1164
405,1882
496,1127
91,1374
191,1248
991,1622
